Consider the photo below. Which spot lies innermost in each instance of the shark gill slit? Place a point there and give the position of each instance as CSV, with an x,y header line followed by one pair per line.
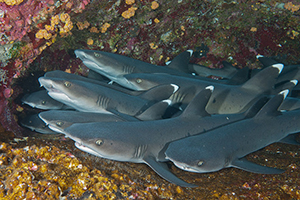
x,y
102,101
177,97
128,69
139,151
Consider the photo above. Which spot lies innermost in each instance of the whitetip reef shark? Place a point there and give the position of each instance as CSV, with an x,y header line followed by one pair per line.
x,y
88,97
144,142
42,100
114,66
225,98
227,146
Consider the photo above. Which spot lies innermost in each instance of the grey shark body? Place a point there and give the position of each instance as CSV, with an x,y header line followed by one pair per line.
x,y
42,100
115,66
34,123
227,72
225,99
69,76
144,142
89,97
63,119
228,145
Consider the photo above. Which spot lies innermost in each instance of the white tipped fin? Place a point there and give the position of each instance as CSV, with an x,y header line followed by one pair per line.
x,y
176,87
168,101
259,56
211,87
294,81
279,66
168,62
190,51
284,92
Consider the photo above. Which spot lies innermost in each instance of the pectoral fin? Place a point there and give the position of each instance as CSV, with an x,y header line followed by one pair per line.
x,y
254,168
162,170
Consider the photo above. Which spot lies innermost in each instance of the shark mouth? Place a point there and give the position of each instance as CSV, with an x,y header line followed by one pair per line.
x,y
182,166
80,146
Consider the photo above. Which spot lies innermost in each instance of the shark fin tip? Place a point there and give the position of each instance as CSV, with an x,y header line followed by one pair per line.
x,y
190,51
259,56
168,62
284,93
168,101
210,87
294,81
176,87
279,66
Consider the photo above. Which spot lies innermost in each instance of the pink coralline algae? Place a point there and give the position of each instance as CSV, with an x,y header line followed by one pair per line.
x,y
18,20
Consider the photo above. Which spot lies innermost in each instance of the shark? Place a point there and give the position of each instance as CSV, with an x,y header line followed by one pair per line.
x,y
115,66
225,99
88,97
144,142
227,72
42,100
34,123
61,119
227,146
69,76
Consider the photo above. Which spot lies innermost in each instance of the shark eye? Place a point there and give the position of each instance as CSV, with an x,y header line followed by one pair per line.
x,y
59,123
99,142
200,163
43,102
138,80
96,54
67,83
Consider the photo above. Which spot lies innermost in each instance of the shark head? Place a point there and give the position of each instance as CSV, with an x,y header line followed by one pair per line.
x,y
143,81
58,89
106,145
100,62
194,158
41,100
51,119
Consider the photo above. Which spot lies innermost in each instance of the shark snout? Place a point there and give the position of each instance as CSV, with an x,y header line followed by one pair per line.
x,y
80,54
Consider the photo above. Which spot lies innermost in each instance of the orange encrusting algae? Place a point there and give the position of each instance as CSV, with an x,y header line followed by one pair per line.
x,y
154,5
11,2
104,27
60,22
129,13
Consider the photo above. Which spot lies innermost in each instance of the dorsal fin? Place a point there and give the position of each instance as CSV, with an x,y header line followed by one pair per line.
x,y
271,107
286,86
155,112
160,92
266,61
264,80
180,62
197,106
240,77
228,66
255,107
